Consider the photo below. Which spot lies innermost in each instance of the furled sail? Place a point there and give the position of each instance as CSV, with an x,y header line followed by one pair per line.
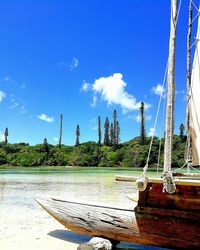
x,y
194,103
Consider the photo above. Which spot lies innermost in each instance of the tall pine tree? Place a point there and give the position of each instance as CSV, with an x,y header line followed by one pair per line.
x,y
142,124
106,132
6,135
99,130
77,135
111,134
45,146
115,127
118,134
182,132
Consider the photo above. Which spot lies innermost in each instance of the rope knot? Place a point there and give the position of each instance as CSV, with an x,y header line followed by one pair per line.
x,y
169,185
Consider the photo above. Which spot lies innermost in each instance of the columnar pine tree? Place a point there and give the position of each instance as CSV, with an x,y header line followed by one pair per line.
x,y
182,132
111,134
99,130
60,138
45,142
77,135
118,133
45,146
6,135
142,125
106,132
115,127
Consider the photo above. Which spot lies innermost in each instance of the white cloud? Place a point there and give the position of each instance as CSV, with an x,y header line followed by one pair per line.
x,y
2,95
45,118
55,139
112,90
19,103
94,101
158,90
85,86
74,63
151,132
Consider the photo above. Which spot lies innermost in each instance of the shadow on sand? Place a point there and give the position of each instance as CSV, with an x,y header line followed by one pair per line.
x,y
78,239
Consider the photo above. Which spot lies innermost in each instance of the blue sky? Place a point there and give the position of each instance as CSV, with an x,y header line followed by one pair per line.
x,y
84,59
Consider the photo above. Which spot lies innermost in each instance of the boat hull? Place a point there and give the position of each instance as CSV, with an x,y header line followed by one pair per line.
x,y
144,225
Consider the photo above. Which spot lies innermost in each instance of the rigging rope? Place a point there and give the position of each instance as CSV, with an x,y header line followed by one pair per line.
x,y
161,132
195,6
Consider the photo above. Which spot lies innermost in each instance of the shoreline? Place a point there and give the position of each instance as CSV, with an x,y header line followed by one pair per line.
x,y
68,168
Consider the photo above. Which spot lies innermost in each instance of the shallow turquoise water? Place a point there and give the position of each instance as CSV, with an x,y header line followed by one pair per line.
x,y
19,187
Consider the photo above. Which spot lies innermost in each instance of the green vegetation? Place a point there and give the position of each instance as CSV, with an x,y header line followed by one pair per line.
x,y
129,154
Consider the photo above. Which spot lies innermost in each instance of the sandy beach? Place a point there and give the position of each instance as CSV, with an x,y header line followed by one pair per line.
x,y
35,230
39,231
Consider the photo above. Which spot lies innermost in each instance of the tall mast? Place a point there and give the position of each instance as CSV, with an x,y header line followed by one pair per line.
x,y
170,89
188,154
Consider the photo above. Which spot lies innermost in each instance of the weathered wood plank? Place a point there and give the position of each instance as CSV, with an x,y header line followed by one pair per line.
x,y
151,226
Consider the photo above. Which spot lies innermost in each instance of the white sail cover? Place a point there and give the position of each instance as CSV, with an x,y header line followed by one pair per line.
x,y
194,103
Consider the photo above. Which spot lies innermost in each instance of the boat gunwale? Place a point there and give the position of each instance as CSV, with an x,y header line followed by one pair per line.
x,y
179,181
46,199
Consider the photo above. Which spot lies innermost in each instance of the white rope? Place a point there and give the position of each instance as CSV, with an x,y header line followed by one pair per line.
x,y
161,132
156,118
195,17
195,169
191,167
195,6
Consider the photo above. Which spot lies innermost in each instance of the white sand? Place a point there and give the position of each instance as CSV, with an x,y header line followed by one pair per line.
x,y
35,230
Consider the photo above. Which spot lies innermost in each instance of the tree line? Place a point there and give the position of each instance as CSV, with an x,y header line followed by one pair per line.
x,y
127,154
107,151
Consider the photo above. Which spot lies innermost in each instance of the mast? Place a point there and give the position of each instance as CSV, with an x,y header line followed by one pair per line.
x,y
188,151
170,89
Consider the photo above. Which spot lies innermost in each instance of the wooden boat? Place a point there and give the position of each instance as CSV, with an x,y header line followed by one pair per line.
x,y
170,218
159,219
